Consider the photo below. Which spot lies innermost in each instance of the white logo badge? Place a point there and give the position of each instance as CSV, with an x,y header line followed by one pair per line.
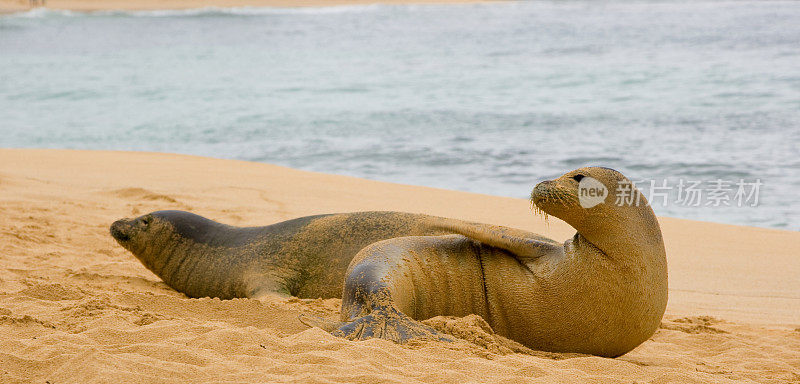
x,y
591,192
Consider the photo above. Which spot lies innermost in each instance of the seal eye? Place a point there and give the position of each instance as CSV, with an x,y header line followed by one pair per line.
x,y
578,177
146,220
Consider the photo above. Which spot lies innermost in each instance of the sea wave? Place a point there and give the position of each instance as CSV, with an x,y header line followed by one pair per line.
x,y
44,12
487,98
249,11
206,11
40,13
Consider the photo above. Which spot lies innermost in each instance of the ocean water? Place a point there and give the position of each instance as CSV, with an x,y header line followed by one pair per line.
x,y
488,98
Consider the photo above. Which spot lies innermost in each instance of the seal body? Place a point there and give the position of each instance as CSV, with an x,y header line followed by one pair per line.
x,y
305,257
601,292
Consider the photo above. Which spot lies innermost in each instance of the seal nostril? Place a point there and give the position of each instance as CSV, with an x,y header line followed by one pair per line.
x,y
118,233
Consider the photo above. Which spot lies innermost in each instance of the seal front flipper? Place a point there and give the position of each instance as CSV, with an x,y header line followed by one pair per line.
x,y
393,284
373,313
390,324
524,246
385,322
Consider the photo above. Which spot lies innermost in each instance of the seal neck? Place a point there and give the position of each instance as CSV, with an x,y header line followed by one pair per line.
x,y
627,235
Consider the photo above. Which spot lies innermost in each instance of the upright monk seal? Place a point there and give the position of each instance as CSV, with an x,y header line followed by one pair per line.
x,y
601,292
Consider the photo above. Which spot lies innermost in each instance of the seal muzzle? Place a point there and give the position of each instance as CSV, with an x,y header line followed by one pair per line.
x,y
121,230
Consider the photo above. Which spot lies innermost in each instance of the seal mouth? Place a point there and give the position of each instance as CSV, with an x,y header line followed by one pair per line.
x,y
120,231
540,192
538,196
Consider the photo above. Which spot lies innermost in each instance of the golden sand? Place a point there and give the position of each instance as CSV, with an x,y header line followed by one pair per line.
x,y
76,307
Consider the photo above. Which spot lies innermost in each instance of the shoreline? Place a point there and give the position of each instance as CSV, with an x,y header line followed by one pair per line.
x,y
731,226
16,6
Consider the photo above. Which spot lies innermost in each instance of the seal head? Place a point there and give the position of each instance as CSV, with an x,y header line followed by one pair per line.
x,y
620,215
150,236
130,233
619,239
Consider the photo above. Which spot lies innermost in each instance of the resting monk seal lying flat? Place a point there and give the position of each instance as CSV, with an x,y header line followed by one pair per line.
x,y
601,292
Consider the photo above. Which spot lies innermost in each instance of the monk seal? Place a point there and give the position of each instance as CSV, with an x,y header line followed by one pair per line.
x,y
601,292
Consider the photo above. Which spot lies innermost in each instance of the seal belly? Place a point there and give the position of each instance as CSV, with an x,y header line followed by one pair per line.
x,y
511,289
422,277
442,275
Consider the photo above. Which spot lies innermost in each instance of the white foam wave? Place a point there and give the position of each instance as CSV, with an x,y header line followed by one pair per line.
x,y
254,11
207,11
39,13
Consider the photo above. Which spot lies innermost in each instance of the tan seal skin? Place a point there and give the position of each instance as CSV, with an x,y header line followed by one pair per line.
x,y
602,292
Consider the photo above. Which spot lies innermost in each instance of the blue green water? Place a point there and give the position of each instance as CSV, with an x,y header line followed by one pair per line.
x,y
488,98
